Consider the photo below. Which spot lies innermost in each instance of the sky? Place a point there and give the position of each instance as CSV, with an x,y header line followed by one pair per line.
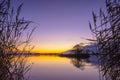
x,y
60,24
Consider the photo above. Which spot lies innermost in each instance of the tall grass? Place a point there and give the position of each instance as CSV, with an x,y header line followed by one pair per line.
x,y
106,30
12,30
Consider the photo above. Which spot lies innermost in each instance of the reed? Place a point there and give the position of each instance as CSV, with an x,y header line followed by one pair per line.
x,y
12,42
106,30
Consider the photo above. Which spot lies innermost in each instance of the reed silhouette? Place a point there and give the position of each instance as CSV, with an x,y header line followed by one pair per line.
x,y
12,28
106,30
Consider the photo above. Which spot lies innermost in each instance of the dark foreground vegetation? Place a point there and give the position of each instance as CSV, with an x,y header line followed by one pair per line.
x,y
106,30
12,28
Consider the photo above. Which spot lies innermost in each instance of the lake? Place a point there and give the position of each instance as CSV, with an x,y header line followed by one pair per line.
x,y
61,68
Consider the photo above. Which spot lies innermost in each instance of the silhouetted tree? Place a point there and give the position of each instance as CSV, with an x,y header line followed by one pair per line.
x,y
78,48
13,42
106,29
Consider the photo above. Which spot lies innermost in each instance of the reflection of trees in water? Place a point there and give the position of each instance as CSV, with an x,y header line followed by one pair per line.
x,y
79,63
107,34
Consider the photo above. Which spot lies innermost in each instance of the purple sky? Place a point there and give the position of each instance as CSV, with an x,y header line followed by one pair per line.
x,y
61,24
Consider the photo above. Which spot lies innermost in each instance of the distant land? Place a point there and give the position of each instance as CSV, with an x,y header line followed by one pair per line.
x,y
88,49
37,54
77,51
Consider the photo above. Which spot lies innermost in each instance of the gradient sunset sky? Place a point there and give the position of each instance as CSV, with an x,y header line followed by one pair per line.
x,y
60,24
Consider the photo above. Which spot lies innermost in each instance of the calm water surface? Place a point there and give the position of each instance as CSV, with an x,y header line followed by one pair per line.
x,y
59,68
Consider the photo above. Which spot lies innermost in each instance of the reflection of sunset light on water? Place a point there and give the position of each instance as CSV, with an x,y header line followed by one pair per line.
x,y
57,68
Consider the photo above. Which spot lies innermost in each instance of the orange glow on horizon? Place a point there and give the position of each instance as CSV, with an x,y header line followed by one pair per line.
x,y
55,45
49,50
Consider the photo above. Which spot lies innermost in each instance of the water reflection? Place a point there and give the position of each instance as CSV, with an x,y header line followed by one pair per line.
x,y
108,65
79,63
63,68
60,68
